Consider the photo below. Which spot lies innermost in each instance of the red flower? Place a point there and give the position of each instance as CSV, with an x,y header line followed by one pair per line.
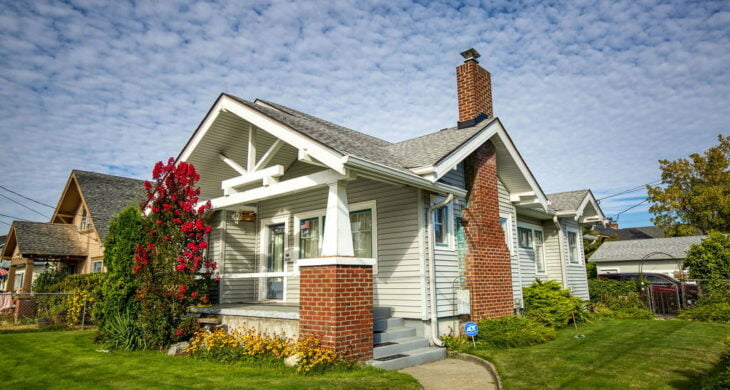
x,y
150,246
182,289
159,222
194,295
166,238
179,332
181,267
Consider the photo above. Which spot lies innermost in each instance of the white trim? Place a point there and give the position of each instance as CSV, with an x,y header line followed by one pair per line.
x,y
422,273
266,158
337,260
253,176
612,270
100,269
534,227
258,275
569,230
510,239
450,224
263,249
233,164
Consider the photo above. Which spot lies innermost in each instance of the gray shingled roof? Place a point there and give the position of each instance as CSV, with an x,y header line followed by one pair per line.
x,y
426,150
566,201
107,195
53,239
636,249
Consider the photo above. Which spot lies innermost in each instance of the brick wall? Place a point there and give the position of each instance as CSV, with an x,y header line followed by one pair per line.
x,y
336,305
488,269
474,89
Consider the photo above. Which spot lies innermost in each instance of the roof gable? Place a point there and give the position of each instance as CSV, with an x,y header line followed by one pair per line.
x,y
38,239
661,248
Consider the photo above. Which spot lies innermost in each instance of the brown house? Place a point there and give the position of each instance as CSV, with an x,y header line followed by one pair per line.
x,y
73,239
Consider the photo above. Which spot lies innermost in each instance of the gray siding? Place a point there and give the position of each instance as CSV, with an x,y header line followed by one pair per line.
x,y
527,256
552,252
577,281
455,177
448,268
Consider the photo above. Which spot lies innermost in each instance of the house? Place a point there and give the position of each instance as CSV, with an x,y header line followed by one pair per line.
x,y
378,248
73,239
4,264
659,255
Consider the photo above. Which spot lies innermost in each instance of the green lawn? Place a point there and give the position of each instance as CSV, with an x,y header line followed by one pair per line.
x,y
615,354
69,360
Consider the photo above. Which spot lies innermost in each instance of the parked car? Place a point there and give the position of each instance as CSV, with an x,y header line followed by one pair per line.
x,y
661,284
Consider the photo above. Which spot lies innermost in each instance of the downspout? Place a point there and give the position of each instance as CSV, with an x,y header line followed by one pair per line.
x,y
561,239
432,271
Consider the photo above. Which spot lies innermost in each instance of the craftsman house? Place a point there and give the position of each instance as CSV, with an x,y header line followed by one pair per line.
x,y
73,239
378,248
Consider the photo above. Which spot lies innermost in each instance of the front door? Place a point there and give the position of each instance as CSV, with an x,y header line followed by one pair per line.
x,y
275,261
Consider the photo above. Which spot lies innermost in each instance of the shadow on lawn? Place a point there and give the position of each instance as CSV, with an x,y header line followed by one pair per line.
x,y
691,380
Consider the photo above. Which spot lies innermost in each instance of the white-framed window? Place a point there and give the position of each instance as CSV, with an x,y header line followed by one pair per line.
x,y
84,223
442,219
573,255
505,222
531,238
19,276
97,266
363,225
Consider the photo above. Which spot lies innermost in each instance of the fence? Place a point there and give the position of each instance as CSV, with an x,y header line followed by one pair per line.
x,y
44,309
670,298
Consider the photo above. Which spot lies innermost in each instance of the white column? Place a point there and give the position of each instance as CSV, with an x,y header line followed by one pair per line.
x,y
337,240
251,160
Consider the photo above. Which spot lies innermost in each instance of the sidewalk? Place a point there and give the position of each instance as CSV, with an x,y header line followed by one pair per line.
x,y
449,374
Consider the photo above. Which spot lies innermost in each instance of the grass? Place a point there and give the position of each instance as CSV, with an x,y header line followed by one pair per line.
x,y
69,360
615,354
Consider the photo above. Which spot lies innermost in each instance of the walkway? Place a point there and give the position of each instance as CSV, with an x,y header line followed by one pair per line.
x,y
450,374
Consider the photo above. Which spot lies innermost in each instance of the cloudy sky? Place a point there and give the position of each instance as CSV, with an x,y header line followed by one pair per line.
x,y
593,94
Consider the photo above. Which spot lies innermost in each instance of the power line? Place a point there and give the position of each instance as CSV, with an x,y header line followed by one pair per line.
x,y
630,208
16,202
25,197
10,216
630,190
5,223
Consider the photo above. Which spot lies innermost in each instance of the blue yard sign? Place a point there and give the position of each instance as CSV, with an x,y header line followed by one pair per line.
x,y
471,329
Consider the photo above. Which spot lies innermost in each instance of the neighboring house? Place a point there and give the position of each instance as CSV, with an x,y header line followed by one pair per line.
x,y
658,255
4,265
73,239
320,229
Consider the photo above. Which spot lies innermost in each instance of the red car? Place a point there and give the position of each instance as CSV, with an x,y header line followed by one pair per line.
x,y
664,288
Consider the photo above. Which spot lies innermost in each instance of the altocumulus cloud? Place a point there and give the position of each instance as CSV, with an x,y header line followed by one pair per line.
x,y
593,93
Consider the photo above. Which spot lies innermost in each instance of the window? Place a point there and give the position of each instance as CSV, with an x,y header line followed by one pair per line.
x,y
97,266
524,237
440,226
84,223
309,238
539,253
504,223
19,280
573,247
361,224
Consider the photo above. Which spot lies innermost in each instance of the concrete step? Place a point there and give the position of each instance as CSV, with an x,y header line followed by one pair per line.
x,y
380,313
399,346
388,323
393,335
408,359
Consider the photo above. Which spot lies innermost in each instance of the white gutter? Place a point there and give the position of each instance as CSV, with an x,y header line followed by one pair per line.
x,y
432,272
561,240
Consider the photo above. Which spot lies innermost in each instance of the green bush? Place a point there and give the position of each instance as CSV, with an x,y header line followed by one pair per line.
x,y
123,332
505,332
619,299
707,310
550,304
67,309
117,292
711,260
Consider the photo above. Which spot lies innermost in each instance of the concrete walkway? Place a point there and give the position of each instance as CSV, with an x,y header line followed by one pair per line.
x,y
450,374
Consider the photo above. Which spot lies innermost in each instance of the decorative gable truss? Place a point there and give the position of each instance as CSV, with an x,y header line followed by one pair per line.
x,y
587,212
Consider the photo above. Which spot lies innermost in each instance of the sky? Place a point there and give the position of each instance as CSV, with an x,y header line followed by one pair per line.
x,y
592,93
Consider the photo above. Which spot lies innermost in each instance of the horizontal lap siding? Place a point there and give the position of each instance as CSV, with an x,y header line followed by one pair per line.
x,y
506,207
240,257
576,273
527,256
552,252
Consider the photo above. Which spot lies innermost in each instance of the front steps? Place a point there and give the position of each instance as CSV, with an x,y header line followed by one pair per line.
x,y
397,346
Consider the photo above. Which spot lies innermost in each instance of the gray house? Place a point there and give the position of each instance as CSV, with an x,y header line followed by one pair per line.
x,y
378,248
658,255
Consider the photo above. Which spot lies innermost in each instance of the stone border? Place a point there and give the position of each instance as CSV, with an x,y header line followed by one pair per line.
x,y
484,363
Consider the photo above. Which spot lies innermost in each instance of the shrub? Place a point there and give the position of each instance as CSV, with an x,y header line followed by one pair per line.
x,y
711,260
68,309
619,299
550,304
513,331
123,332
710,310
249,345
117,292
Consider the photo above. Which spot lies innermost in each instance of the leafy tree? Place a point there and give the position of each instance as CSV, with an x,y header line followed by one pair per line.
x,y
695,192
125,232
711,260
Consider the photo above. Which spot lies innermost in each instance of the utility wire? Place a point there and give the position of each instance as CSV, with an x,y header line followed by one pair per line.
x,y
5,223
630,190
16,202
10,216
630,208
25,197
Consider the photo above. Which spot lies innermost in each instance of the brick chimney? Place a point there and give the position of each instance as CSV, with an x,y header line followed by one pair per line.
x,y
474,90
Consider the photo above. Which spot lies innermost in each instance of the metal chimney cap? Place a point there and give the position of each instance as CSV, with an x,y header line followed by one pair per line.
x,y
470,55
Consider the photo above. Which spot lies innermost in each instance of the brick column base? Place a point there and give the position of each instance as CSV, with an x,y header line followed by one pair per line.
x,y
336,306
488,262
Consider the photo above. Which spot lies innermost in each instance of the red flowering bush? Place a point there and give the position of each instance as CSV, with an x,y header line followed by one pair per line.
x,y
170,265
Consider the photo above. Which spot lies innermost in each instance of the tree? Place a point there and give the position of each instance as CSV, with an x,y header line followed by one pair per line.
x,y
711,260
119,288
695,193
170,268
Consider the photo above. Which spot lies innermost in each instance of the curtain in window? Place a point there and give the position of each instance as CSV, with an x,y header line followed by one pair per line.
x,y
361,224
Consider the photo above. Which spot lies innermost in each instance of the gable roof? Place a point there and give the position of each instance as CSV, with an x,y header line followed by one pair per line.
x,y
567,201
629,250
431,148
631,233
44,239
106,195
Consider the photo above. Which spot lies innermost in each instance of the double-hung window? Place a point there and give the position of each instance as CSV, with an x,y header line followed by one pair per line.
x,y
362,226
533,240
97,266
504,223
84,223
443,224
573,247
